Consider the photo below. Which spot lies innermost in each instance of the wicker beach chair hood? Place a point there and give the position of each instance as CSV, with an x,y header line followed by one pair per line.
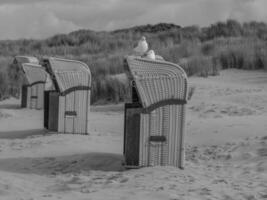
x,y
158,82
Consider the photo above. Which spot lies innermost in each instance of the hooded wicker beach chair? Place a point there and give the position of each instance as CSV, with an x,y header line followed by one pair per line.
x,y
67,106
29,91
155,119
36,77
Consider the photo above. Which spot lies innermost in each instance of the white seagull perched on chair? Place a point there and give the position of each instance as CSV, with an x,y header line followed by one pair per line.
x,y
151,55
142,46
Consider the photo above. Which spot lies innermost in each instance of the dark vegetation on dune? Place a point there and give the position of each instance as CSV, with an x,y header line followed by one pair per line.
x,y
200,51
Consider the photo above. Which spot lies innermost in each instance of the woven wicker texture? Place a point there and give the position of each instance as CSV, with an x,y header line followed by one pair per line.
x,y
73,79
35,96
70,73
34,73
156,80
19,60
36,77
163,84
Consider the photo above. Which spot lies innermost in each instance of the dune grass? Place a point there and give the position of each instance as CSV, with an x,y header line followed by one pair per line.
x,y
200,51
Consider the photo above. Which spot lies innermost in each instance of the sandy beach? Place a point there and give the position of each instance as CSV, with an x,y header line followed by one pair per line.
x,y
226,150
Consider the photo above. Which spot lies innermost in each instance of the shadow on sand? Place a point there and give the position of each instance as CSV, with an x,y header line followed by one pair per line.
x,y
22,133
63,164
10,106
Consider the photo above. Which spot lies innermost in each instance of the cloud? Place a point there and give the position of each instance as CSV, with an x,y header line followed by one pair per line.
x,y
29,22
250,10
44,18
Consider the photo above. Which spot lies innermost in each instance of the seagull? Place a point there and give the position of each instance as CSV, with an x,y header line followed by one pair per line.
x,y
151,55
142,46
158,57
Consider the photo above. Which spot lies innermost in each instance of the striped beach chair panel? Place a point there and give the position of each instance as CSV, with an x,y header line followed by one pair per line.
x,y
19,60
70,74
167,121
71,79
76,102
34,73
162,90
157,81
59,64
36,77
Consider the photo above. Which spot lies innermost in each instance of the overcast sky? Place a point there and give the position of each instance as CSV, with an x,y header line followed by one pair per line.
x,y
44,18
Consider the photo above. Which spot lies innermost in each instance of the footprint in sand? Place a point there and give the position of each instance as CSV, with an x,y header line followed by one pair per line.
x,y
124,180
48,195
87,190
262,152
264,196
205,191
4,189
217,181
161,188
250,197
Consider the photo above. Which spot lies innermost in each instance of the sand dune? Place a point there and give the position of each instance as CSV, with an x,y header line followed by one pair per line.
x,y
226,150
